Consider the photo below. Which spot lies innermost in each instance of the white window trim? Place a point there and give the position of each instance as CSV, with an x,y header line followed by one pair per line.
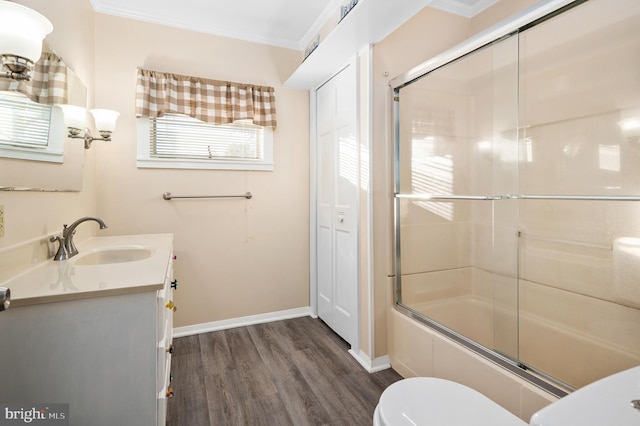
x,y
144,160
53,153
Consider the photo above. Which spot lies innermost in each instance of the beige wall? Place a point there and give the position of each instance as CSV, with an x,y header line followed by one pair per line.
x,y
32,215
235,257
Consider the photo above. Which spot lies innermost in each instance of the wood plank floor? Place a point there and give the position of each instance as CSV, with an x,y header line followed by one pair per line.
x,y
292,372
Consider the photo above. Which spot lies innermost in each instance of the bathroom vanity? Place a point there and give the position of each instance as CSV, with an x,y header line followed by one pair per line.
x,y
94,332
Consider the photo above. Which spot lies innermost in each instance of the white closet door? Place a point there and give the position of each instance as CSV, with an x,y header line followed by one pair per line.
x,y
338,180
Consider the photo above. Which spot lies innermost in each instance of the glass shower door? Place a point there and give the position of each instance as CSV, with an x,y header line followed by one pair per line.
x,y
518,195
580,192
457,230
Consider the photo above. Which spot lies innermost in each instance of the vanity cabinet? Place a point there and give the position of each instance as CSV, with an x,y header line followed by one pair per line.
x,y
108,357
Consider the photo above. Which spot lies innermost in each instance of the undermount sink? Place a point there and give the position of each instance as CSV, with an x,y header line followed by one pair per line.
x,y
111,255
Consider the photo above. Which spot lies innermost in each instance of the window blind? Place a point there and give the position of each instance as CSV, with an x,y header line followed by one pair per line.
x,y
182,137
23,123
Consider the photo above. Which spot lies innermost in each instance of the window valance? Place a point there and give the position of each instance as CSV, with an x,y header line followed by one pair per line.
x,y
48,84
211,101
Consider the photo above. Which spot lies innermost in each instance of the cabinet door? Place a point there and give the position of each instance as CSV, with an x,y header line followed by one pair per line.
x,y
96,354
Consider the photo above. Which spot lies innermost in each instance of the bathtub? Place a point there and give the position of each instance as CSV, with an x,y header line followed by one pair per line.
x,y
550,339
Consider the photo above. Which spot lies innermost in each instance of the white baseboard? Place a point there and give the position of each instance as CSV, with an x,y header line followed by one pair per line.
x,y
241,322
372,366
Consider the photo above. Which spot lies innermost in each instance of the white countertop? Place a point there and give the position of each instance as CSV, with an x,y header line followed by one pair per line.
x,y
55,281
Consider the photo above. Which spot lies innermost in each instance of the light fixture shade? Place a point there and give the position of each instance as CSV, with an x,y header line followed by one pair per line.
x,y
74,116
22,31
105,119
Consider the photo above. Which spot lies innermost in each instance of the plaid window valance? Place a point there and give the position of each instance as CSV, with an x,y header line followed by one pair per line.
x,y
48,84
211,101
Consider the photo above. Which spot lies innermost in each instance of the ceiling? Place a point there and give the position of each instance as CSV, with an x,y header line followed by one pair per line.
x,y
285,23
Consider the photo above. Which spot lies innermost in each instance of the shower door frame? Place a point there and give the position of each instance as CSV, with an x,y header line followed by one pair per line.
x,y
525,19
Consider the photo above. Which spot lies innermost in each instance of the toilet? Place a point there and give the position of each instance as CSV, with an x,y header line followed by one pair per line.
x,y
429,401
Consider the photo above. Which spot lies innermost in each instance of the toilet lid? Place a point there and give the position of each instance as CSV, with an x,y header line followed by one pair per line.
x,y
428,401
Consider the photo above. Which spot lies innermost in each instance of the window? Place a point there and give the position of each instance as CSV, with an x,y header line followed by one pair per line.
x,y
179,141
27,129
194,123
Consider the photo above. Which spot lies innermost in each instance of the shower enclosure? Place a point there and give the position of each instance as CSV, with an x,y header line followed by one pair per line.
x,y
517,203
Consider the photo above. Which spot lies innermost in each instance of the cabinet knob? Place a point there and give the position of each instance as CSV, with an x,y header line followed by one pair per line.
x,y
170,377
174,284
171,305
170,393
170,349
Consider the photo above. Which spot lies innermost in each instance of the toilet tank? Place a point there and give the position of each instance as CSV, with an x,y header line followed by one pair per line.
x,y
614,400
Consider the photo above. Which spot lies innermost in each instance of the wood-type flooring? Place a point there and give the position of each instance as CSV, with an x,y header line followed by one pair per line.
x,y
293,372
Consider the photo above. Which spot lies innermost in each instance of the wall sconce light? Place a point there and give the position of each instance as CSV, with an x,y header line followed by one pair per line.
x,y
75,118
22,31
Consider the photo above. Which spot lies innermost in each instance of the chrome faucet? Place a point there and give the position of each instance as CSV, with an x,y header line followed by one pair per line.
x,y
67,248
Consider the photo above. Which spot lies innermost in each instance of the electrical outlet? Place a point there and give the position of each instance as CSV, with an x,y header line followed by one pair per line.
x,y
1,220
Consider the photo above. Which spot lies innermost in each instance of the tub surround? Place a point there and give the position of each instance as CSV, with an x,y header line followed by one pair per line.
x,y
55,281
557,326
416,350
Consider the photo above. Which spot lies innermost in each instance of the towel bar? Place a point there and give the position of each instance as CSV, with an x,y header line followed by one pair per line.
x,y
168,196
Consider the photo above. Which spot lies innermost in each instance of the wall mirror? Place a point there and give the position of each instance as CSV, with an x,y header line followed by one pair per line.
x,y
60,169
